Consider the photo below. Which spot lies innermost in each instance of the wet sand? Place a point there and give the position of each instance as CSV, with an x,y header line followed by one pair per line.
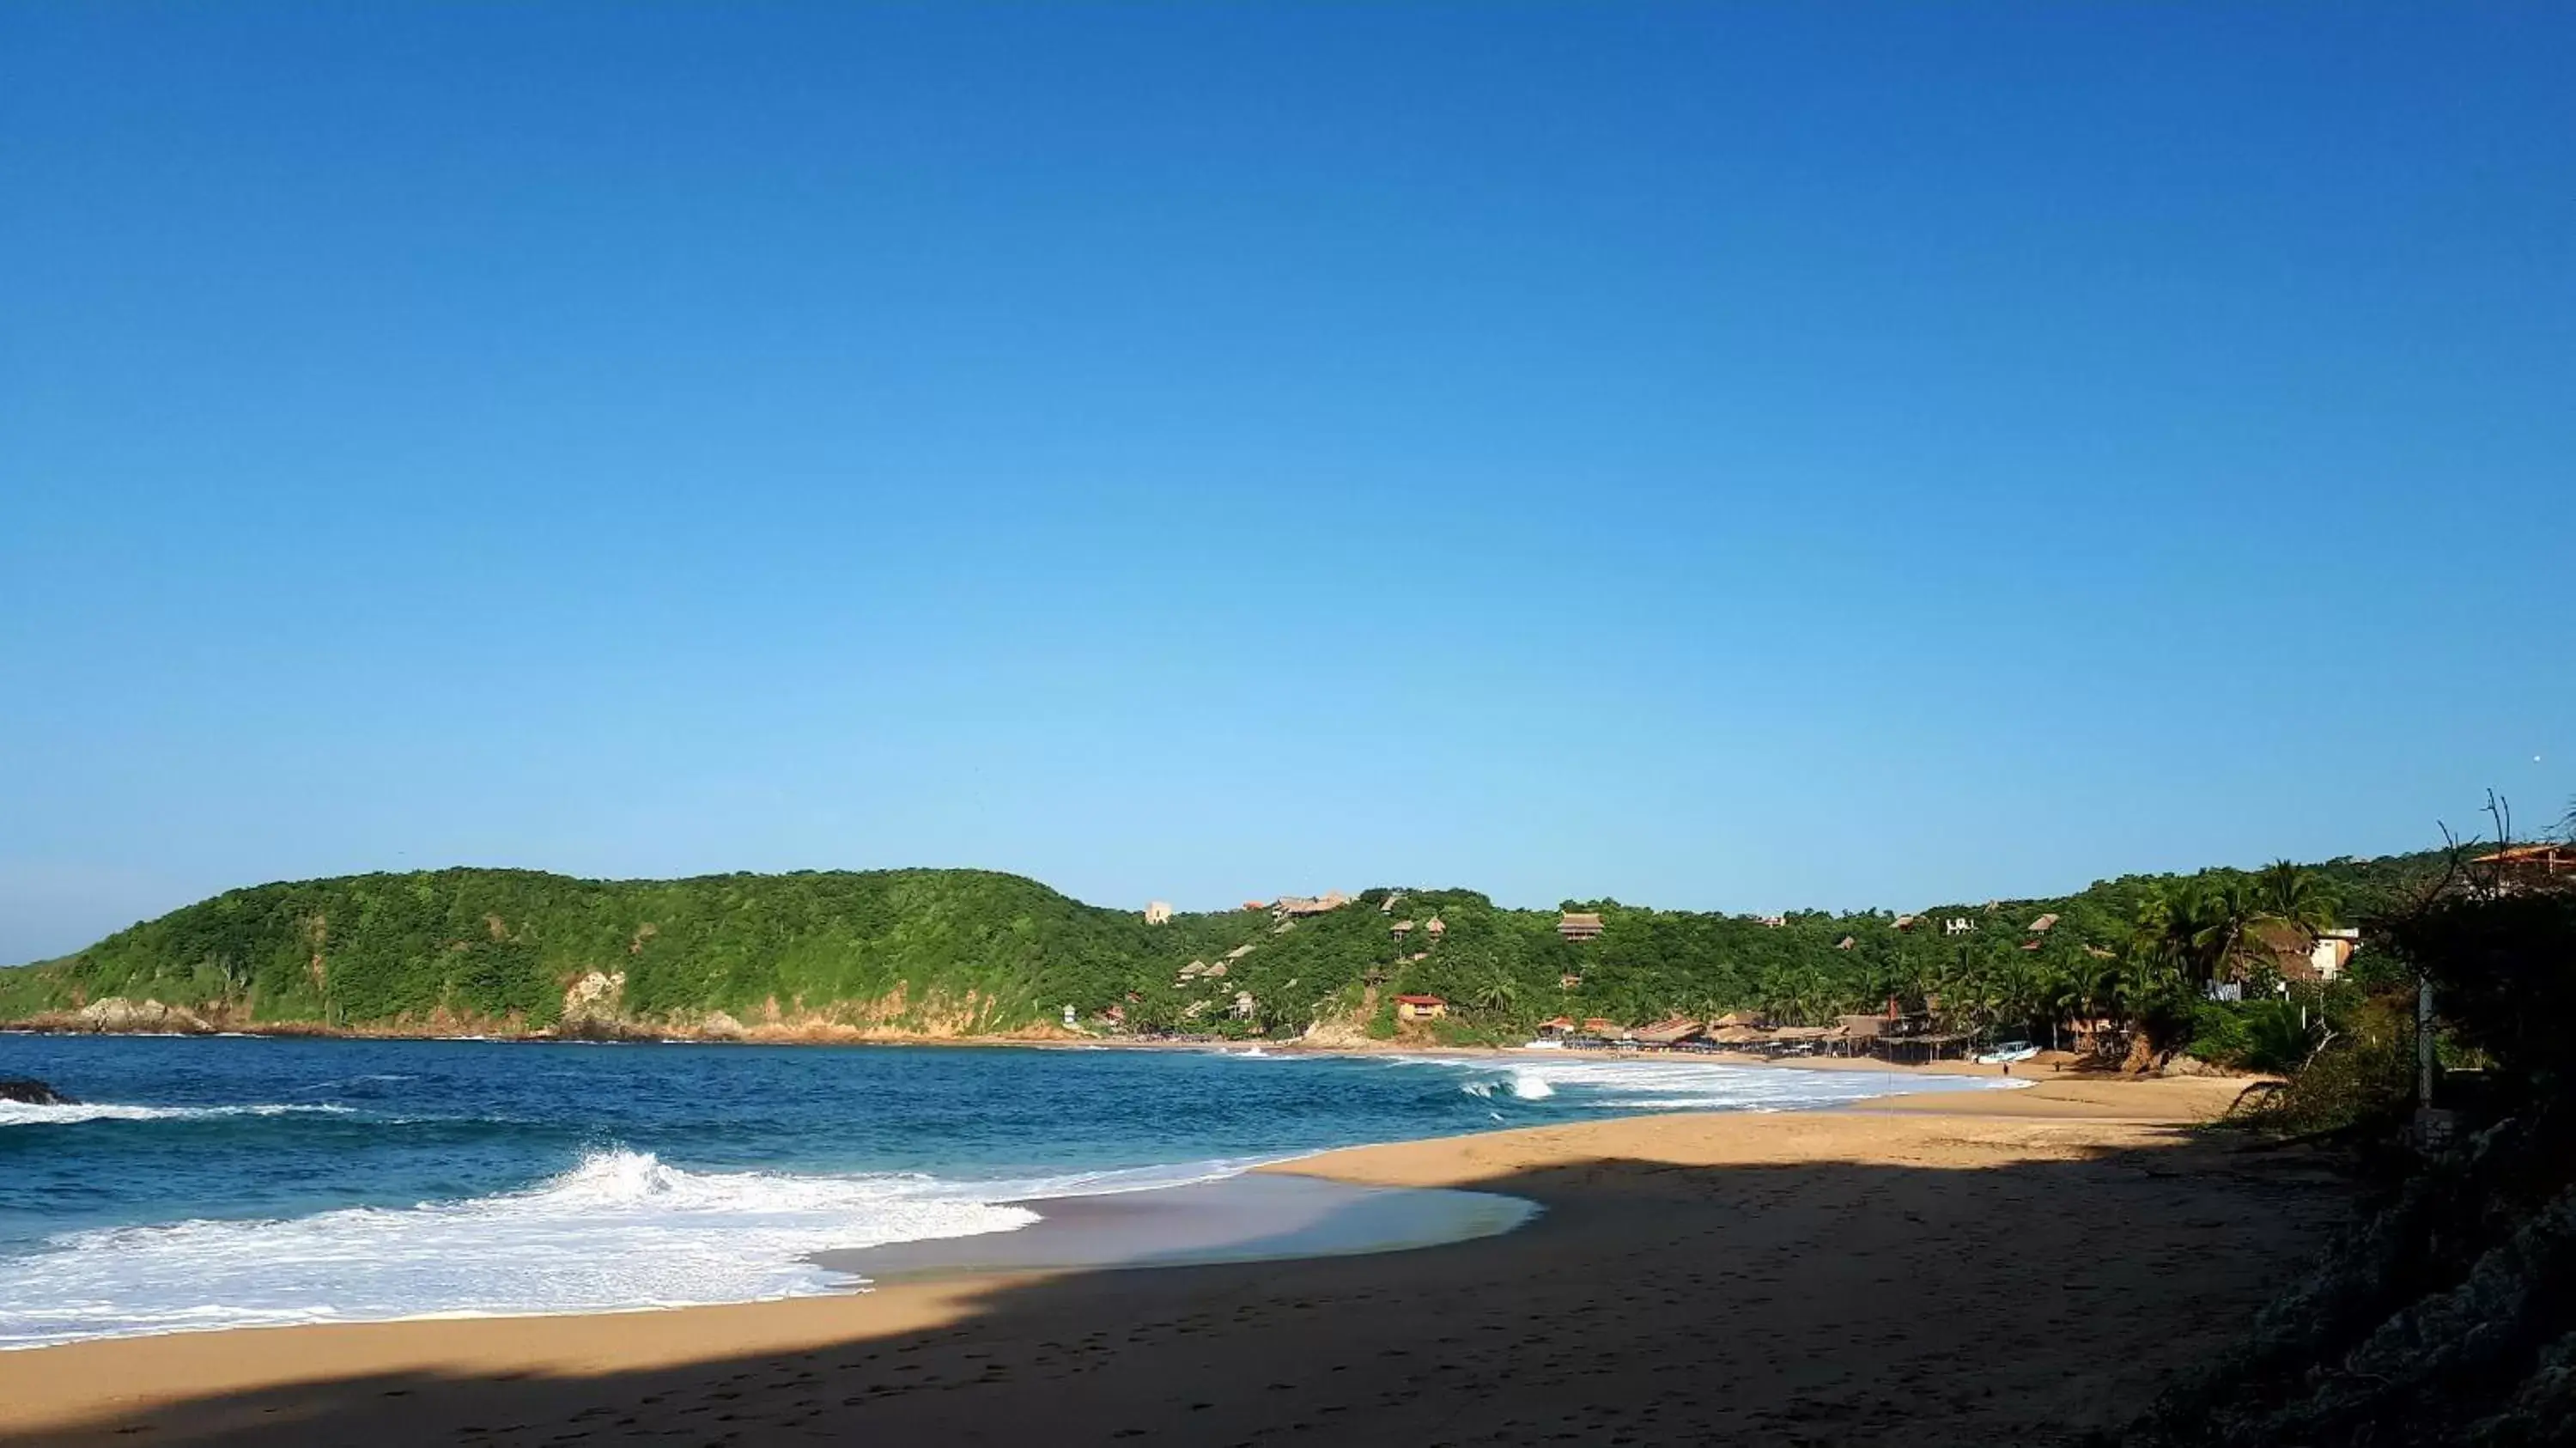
x,y
1250,1218
2034,1265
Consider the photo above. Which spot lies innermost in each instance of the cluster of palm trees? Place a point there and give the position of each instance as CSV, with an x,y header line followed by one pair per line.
x,y
2209,926
2190,933
2147,980
2186,934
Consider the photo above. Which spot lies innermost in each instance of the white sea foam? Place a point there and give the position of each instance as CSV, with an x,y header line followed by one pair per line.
x,y
621,1230
25,1113
1527,1085
1665,1084
1106,1181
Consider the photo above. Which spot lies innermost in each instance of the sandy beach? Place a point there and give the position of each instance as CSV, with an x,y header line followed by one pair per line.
x,y
1962,1268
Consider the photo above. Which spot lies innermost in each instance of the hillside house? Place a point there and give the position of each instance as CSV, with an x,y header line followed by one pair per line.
x,y
1291,906
2333,951
2043,925
1400,929
1420,1008
1578,926
1435,928
1158,913
2307,956
2531,867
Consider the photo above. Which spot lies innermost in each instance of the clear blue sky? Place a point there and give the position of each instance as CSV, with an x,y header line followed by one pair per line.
x,y
1734,457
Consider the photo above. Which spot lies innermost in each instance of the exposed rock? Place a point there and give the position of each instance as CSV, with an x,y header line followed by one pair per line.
x,y
27,1091
596,997
2440,1320
718,1026
116,1013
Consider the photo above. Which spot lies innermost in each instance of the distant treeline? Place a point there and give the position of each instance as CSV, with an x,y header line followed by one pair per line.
x,y
967,951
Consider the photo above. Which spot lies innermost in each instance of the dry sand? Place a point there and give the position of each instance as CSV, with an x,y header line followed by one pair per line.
x,y
1977,1268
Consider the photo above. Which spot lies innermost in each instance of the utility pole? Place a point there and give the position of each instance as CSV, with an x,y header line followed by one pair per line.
x,y
2424,1042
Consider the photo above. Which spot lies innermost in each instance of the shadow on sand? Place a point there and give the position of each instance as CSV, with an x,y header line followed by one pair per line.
x,y
1814,1304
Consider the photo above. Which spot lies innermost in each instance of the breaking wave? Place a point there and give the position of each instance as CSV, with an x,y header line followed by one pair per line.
x,y
1683,1085
620,1230
23,1113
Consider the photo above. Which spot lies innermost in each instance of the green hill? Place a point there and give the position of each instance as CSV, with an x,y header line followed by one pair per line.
x,y
966,952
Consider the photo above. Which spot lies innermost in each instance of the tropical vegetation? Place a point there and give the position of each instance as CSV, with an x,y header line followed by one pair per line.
x,y
968,952
2445,1315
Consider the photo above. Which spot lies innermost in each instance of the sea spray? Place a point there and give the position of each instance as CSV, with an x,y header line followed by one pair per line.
x,y
619,1229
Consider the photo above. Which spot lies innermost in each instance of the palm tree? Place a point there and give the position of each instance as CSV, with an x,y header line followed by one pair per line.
x,y
1496,994
2064,994
2290,895
2198,926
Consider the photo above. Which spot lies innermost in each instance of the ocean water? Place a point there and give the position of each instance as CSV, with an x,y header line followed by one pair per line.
x,y
233,1182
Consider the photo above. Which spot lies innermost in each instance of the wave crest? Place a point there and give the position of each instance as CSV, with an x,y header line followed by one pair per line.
x,y
23,1113
619,1230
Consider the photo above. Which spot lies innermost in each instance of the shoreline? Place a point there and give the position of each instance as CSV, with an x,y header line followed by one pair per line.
x,y
1297,1047
1605,1189
1257,1215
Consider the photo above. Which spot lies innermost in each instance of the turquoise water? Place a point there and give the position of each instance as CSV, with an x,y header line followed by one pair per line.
x,y
223,1182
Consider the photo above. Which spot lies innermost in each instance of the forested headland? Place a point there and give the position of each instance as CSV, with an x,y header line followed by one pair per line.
x,y
957,953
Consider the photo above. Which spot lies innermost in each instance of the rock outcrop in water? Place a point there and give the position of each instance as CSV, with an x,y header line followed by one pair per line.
x,y
27,1091
116,1013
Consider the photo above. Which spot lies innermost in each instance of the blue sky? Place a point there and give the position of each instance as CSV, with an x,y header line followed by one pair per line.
x,y
1729,457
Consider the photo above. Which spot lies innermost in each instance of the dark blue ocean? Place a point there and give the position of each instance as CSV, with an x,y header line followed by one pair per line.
x,y
225,1182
